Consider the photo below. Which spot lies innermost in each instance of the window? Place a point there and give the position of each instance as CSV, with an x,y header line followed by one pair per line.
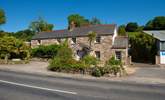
x,y
118,55
97,53
162,45
74,40
39,42
98,39
59,40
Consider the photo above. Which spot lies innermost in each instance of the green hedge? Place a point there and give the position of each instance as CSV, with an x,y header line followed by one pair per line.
x,y
45,51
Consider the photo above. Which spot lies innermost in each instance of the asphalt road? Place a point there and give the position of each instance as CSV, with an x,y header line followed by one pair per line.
x,y
18,86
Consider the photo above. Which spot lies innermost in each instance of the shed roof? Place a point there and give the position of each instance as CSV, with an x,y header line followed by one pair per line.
x,y
160,35
121,42
77,32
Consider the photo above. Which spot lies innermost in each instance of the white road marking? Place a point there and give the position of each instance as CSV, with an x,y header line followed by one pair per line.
x,y
37,87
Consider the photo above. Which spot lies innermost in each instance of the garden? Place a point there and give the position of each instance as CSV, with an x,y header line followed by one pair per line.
x,y
60,58
13,50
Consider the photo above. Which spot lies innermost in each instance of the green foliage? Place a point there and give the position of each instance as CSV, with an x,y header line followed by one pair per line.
x,y
143,47
10,47
131,27
69,65
158,23
91,37
114,66
25,35
122,31
40,25
45,51
64,61
113,61
95,21
90,60
2,17
96,72
78,20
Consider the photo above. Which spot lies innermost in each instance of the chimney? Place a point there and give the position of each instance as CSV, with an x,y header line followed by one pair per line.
x,y
72,26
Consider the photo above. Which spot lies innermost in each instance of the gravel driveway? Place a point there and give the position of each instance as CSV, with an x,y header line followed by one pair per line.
x,y
147,73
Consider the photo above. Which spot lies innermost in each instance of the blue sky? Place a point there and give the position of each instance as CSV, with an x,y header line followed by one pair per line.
x,y
20,13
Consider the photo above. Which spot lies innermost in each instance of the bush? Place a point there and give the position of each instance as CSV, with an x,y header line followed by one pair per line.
x,y
113,61
96,72
90,60
45,51
65,62
114,66
70,65
10,47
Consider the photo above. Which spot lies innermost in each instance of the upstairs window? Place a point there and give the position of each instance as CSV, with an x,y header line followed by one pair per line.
x,y
98,39
74,40
97,53
118,55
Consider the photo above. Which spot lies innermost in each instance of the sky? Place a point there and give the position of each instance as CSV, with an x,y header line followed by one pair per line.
x,y
20,13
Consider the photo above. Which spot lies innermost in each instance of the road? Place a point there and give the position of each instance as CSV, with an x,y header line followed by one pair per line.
x,y
19,86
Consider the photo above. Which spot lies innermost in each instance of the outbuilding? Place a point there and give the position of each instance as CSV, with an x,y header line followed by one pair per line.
x,y
159,35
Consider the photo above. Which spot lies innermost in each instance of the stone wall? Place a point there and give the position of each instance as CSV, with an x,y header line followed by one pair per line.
x,y
105,47
35,43
124,55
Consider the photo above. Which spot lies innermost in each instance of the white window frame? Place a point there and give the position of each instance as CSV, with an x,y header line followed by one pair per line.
x,y
118,55
99,39
74,42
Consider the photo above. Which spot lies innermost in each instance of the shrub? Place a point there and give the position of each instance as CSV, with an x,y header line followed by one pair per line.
x,y
114,66
65,62
70,65
96,72
10,47
45,51
65,53
90,60
113,61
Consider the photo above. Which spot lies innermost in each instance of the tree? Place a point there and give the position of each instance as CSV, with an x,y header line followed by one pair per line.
x,y
158,23
143,47
78,20
95,21
149,25
40,25
2,17
121,30
132,27
11,46
91,37
25,35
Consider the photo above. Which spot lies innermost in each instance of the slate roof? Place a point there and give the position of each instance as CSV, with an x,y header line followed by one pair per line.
x,y
120,42
160,35
107,29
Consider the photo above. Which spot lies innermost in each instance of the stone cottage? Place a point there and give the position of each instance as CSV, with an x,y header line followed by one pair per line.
x,y
106,44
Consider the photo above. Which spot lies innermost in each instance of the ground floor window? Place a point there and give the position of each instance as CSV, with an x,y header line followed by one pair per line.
x,y
97,53
74,40
118,55
59,40
39,42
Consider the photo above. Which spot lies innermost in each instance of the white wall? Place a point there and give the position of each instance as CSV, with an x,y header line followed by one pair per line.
x,y
114,35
